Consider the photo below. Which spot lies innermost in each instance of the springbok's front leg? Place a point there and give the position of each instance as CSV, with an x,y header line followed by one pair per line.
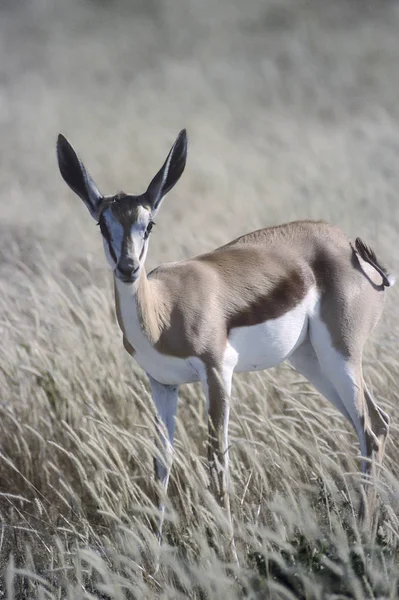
x,y
218,391
165,400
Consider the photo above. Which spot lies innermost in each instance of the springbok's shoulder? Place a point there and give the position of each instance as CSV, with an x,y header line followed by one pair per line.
x,y
181,274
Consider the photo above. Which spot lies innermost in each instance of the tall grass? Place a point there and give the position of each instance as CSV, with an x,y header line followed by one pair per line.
x,y
76,471
292,112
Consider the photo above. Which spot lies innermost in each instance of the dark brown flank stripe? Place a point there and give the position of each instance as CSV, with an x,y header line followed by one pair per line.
x,y
289,292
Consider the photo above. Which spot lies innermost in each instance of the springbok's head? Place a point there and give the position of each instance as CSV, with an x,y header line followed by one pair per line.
x,y
125,220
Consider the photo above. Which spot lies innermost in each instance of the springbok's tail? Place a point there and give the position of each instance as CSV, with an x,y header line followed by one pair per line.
x,y
368,255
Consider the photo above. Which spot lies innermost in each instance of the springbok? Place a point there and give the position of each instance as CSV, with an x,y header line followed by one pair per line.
x,y
300,291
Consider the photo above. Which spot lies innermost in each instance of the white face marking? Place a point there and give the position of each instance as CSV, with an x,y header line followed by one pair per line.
x,y
118,234
137,235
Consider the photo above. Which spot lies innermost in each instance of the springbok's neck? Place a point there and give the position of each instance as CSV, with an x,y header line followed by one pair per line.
x,y
143,302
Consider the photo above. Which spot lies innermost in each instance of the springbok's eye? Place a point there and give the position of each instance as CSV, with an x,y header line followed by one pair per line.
x,y
148,230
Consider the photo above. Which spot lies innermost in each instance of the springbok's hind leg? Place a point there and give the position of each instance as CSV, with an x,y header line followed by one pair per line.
x,y
378,422
377,425
305,361
369,422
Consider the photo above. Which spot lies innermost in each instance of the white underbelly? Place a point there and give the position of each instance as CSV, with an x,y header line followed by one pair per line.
x,y
268,344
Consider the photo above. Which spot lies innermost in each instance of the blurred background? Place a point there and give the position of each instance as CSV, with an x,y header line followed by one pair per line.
x,y
292,112
291,109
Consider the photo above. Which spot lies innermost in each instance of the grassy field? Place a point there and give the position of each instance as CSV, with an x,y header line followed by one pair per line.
x,y
292,111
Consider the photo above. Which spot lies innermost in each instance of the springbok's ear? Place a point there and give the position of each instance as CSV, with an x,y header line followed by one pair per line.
x,y
170,173
76,176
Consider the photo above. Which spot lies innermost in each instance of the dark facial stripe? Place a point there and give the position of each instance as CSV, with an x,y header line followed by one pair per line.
x,y
107,236
125,210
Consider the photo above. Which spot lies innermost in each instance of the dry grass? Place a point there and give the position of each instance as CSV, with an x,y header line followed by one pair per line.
x,y
291,109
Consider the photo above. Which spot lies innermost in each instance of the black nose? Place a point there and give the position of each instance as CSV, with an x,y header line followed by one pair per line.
x,y
127,268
